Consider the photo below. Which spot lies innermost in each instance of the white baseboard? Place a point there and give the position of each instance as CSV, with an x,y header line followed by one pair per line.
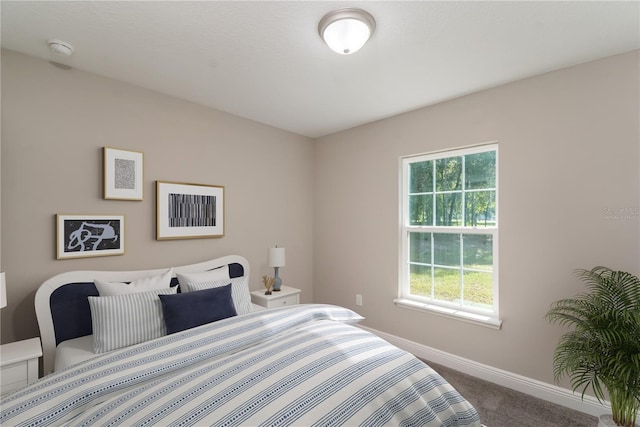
x,y
539,389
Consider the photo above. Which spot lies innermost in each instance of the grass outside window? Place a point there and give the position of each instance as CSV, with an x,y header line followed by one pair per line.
x,y
478,286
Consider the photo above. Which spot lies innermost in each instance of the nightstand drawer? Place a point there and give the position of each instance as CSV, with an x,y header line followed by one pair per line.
x,y
19,364
284,301
8,388
14,374
285,297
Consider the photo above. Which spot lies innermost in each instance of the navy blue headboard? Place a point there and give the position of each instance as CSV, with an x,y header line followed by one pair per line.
x,y
70,309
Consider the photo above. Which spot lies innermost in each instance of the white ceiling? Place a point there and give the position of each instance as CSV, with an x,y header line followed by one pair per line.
x,y
265,61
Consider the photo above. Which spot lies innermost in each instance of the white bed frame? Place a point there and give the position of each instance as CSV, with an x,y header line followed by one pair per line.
x,y
43,309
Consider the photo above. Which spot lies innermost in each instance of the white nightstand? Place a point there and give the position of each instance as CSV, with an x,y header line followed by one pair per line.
x,y
286,296
19,364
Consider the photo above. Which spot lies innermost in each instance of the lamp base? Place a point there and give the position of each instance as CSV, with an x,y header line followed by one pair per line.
x,y
277,282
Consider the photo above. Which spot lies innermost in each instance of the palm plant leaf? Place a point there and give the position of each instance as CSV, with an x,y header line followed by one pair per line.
x,y
601,352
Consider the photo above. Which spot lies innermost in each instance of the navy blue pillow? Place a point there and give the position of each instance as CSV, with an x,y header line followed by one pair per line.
x,y
190,309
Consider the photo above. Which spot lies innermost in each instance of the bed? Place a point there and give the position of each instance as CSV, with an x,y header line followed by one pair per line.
x,y
301,365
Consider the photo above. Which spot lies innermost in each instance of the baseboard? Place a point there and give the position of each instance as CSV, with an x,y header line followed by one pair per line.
x,y
539,389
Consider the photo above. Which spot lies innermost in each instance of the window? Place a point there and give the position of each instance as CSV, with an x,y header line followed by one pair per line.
x,y
449,234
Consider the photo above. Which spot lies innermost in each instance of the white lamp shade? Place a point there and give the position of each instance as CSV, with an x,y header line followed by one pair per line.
x,y
3,291
276,257
346,36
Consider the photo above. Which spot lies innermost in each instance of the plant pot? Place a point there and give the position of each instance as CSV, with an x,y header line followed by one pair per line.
x,y
607,421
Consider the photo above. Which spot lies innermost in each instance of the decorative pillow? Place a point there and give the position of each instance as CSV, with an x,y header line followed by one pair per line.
x,y
221,273
123,320
185,311
106,289
239,291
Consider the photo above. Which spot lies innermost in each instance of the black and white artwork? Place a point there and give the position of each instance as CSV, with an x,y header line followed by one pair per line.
x,y
123,174
189,211
192,210
89,235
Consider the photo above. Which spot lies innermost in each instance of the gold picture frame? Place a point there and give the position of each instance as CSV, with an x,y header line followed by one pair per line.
x,y
189,211
80,236
123,174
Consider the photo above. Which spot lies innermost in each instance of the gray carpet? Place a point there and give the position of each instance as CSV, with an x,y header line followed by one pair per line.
x,y
503,407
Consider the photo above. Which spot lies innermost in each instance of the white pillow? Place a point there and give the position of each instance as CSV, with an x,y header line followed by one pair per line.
x,y
123,320
106,289
221,273
239,291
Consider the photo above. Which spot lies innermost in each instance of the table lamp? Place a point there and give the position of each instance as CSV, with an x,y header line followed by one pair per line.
x,y
276,260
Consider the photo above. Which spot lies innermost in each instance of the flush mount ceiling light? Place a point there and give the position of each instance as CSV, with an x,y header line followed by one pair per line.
x,y
345,31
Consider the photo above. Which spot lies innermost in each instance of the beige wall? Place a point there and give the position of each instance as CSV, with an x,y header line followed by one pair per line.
x,y
54,125
569,147
569,151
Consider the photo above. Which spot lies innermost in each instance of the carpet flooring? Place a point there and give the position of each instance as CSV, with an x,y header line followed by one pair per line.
x,y
503,407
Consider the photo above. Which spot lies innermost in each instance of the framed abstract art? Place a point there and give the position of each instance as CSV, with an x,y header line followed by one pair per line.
x,y
89,235
123,174
189,211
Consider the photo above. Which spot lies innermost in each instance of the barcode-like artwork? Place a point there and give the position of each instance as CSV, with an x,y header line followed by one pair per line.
x,y
192,210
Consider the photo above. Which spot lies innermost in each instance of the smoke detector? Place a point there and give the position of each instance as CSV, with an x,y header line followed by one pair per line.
x,y
60,47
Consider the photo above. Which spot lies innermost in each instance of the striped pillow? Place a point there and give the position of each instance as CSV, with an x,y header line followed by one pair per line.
x,y
123,320
239,291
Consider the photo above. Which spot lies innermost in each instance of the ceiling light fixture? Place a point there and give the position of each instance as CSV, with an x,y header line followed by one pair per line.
x,y
59,47
345,31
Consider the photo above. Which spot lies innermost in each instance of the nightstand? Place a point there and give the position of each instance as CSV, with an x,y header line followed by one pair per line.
x,y
19,364
286,296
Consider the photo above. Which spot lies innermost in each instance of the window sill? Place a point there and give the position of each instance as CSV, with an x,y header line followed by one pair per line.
x,y
465,316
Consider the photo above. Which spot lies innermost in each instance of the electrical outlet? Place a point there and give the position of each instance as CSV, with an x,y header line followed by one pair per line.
x,y
359,300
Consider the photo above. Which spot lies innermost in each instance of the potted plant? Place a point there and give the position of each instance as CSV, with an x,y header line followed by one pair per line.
x,y
602,351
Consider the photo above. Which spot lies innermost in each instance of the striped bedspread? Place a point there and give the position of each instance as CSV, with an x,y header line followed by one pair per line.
x,y
303,365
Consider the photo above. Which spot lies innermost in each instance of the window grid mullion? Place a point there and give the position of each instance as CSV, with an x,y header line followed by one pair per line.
x,y
461,244
433,197
433,273
432,294
463,188
463,223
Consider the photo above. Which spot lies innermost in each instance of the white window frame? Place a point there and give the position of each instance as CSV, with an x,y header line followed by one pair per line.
x,y
476,315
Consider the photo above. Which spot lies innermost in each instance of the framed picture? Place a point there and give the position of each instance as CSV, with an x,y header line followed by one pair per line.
x,y
89,235
122,174
189,211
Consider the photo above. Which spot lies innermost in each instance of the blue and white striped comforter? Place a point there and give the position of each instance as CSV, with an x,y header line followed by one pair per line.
x,y
296,366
